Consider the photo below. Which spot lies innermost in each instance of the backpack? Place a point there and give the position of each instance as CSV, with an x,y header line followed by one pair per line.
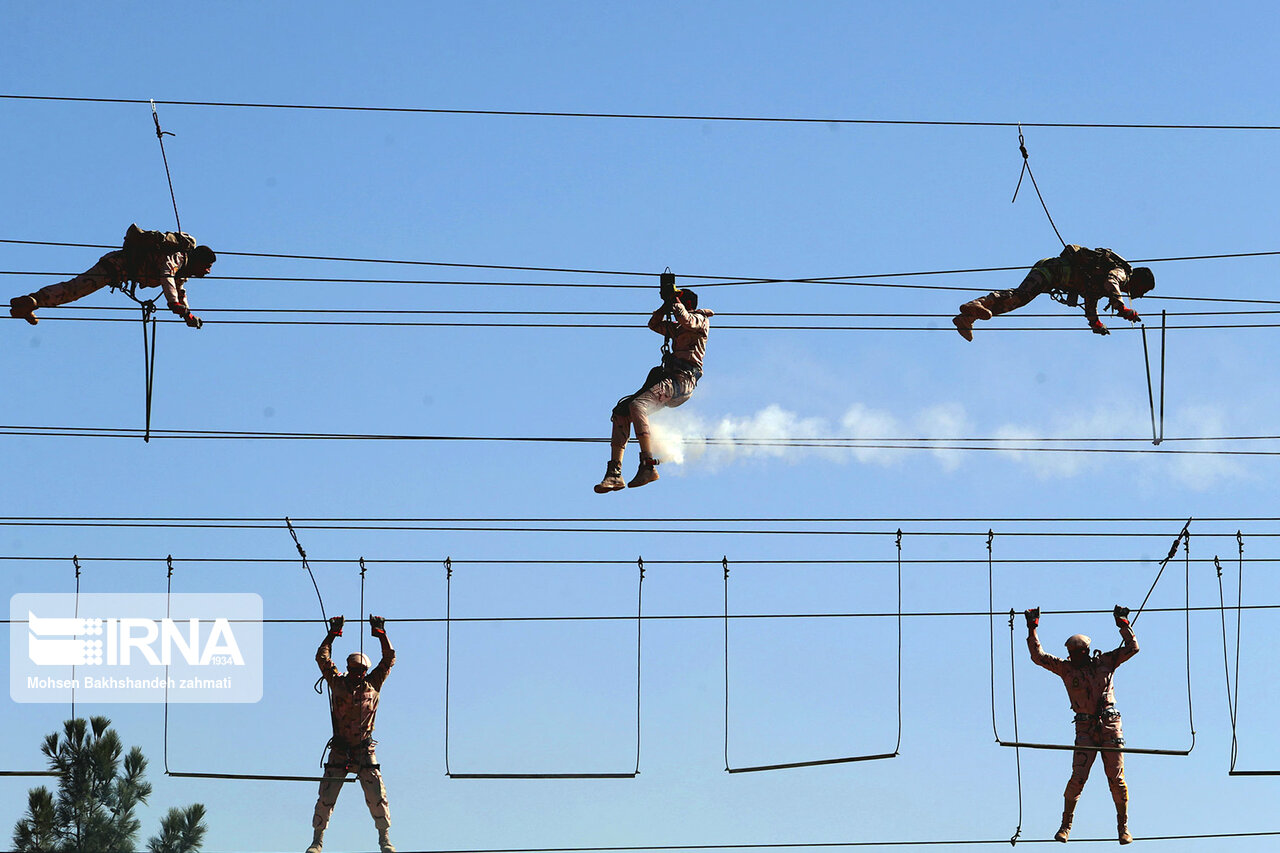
x,y
1090,262
140,244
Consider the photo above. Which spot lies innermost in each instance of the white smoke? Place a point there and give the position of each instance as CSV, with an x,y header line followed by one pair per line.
x,y
684,438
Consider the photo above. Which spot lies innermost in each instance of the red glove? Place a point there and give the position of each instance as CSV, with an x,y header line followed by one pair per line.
x,y
193,321
1098,328
377,625
335,626
1033,617
1122,616
1128,314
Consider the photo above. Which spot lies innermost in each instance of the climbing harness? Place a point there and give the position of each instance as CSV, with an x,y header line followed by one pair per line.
x,y
1026,170
1156,438
729,768
448,637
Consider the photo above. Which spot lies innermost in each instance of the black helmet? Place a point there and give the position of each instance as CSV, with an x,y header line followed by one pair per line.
x,y
1141,282
201,256
688,297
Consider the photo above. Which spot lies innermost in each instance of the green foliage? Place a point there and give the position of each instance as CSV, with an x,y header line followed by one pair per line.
x,y
98,791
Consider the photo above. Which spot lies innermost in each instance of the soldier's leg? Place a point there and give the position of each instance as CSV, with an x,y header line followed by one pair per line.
x,y
1081,761
330,787
999,302
375,797
105,272
1113,764
649,400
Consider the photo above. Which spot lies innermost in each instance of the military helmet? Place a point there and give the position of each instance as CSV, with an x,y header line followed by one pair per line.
x,y
688,297
1141,282
358,659
1077,643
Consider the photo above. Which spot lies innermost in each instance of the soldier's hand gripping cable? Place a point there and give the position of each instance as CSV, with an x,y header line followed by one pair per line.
x,y
1078,276
684,327
353,707
163,259
1089,683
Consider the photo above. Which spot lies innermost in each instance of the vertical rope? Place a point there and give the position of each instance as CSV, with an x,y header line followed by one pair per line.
x,y
1017,750
991,632
1186,553
1151,400
168,601
898,746
148,359
1235,702
1163,329
75,561
448,636
639,680
303,554
1226,664
724,563
362,570
160,135
1026,169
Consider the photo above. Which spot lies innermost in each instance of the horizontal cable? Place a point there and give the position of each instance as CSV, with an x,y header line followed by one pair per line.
x,y
914,444
644,116
700,280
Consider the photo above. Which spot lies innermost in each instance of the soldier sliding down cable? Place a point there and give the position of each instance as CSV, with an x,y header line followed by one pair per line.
x,y
1089,686
1077,274
680,321
164,259
353,701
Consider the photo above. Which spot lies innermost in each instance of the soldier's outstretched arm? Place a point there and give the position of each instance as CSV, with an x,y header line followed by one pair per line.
x,y
378,627
1129,642
1091,314
324,656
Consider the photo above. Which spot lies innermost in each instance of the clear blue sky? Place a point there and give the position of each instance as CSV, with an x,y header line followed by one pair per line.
x,y
705,198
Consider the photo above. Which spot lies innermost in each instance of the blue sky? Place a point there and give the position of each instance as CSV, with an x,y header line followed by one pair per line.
x,y
704,198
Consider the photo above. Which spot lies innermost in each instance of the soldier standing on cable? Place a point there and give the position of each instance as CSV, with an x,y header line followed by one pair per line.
x,y
1077,274
685,326
1089,686
164,259
353,704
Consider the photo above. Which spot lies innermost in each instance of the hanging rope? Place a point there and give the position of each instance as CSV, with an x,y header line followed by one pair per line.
x,y
160,135
991,632
1183,535
1233,694
1156,438
822,761
168,601
1026,169
362,571
1017,752
448,621
148,359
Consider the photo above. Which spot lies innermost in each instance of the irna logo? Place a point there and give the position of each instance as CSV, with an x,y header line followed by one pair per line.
x,y
59,641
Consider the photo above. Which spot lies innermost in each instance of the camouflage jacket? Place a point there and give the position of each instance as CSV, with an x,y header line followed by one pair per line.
x,y
354,700
1090,282
687,330
156,263
1089,685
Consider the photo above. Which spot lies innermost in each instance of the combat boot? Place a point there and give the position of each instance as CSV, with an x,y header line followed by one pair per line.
x,y
317,842
612,479
23,308
1064,831
384,842
976,310
646,473
1122,822
964,325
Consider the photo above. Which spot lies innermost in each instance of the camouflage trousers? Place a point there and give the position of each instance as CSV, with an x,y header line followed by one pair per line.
x,y
361,761
107,271
1004,301
661,388
1098,731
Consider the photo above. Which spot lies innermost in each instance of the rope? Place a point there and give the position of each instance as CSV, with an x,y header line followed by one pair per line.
x,y
449,772
1017,751
362,571
649,116
148,359
160,135
1026,168
75,561
303,554
822,761
1185,533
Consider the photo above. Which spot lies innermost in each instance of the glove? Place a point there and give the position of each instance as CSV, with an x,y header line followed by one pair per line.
x,y
377,625
1128,314
1099,329
1033,617
335,626
193,321
1122,616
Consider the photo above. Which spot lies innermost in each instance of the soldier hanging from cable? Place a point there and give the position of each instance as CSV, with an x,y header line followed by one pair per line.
x,y
353,704
1077,274
164,259
1089,686
684,326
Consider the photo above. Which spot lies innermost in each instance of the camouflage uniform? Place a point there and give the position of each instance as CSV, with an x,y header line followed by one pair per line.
x,y
671,383
1091,278
1092,694
354,704
156,267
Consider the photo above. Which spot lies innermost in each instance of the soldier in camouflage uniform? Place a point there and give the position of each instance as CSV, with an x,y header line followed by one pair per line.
x,y
353,704
1077,274
1089,686
669,384
149,258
